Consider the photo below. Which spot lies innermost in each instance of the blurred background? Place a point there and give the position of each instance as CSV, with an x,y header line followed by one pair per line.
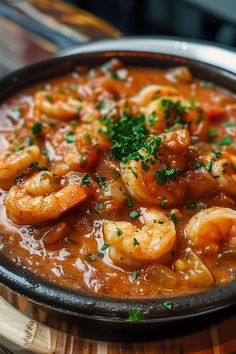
x,y
32,30
213,20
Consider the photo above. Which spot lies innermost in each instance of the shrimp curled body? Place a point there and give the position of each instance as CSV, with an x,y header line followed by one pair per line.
x,y
133,246
11,164
212,226
41,199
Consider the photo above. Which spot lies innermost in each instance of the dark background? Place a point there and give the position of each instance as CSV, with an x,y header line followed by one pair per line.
x,y
213,20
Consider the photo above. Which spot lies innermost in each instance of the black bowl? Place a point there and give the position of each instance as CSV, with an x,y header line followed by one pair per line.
x,y
105,317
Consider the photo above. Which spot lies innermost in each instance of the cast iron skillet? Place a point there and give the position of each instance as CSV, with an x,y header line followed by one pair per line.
x,y
104,317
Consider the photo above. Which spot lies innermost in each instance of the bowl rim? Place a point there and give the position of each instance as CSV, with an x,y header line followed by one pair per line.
x,y
78,304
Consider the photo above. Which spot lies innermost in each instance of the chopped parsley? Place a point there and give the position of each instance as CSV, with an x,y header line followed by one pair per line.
x,y
212,133
152,119
116,173
164,202
135,315
164,176
174,217
224,141
168,305
129,202
37,128
78,109
209,165
88,137
134,214
191,205
85,180
99,207
216,153
198,164
136,243
70,136
73,122
229,125
119,232
105,246
102,181
18,148
49,98
205,84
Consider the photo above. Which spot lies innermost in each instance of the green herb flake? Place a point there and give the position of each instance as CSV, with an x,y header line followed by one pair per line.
x,y
119,232
18,148
70,136
134,214
135,241
229,125
88,138
191,205
99,207
72,87
30,141
135,315
85,180
212,133
73,122
163,176
164,202
37,128
209,165
129,202
174,218
78,109
216,153
105,246
205,84
152,119
168,305
224,141
92,257
101,181
116,174
198,164
49,98
144,166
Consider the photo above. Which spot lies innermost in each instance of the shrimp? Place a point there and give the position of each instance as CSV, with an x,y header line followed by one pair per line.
x,y
11,164
132,246
41,198
223,170
150,92
56,105
212,226
148,184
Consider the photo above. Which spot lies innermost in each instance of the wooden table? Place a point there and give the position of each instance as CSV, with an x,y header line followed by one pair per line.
x,y
19,334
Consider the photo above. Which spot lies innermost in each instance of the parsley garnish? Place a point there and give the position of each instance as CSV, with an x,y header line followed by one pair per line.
x,y
191,205
129,202
209,165
205,84
174,217
216,153
229,125
70,136
18,148
134,275
37,128
224,141
119,232
136,243
135,315
116,173
197,164
73,122
164,202
168,305
85,180
163,176
212,133
134,214
102,181
49,98
105,246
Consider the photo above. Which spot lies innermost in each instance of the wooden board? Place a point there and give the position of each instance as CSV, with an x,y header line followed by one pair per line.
x,y
22,335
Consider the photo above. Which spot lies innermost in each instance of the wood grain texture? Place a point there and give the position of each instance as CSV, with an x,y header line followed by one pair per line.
x,y
19,334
